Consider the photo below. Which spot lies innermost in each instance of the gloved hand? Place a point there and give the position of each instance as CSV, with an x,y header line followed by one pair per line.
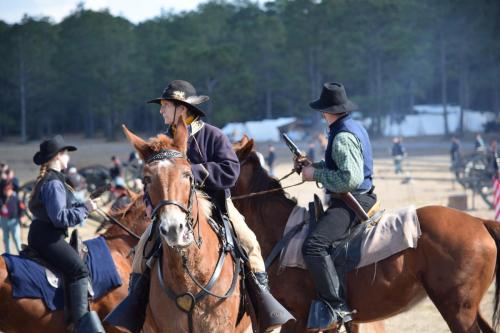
x,y
300,162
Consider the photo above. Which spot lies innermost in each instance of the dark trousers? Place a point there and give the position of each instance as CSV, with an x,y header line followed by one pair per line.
x,y
332,227
50,244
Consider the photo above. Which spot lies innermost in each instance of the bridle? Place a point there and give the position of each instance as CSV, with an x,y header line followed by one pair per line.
x,y
169,154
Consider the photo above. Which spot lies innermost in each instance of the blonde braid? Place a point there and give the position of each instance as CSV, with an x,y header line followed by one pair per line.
x,y
43,171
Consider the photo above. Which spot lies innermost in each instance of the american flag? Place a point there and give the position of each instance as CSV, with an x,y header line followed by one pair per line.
x,y
496,197
496,189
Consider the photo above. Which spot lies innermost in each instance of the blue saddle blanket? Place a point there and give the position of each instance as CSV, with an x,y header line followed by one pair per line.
x,y
29,280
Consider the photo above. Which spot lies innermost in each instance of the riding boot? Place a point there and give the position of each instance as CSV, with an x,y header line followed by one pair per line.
x,y
270,313
131,312
330,310
84,321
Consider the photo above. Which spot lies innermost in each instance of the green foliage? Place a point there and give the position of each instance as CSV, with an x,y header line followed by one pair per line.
x,y
94,71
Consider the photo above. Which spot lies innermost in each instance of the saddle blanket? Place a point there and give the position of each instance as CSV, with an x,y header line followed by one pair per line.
x,y
29,278
394,233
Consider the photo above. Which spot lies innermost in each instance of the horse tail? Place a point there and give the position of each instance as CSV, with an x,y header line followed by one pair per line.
x,y
494,230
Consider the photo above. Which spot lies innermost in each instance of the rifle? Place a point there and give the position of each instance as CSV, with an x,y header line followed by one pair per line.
x,y
347,197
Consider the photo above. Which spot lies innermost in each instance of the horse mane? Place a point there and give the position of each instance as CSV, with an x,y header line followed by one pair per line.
x,y
262,181
162,142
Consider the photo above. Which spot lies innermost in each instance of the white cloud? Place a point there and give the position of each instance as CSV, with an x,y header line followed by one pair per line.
x,y
12,11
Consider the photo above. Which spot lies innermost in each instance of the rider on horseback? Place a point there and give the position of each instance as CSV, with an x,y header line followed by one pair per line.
x,y
216,168
54,209
348,167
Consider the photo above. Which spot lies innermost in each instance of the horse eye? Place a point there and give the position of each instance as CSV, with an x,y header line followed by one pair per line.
x,y
187,174
146,180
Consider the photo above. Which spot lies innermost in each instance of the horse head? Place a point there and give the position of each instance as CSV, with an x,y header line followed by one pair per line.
x,y
169,183
249,161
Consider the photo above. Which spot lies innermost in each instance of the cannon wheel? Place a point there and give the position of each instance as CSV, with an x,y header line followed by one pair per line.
x,y
478,176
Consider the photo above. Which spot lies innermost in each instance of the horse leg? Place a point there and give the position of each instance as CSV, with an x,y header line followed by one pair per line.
x,y
483,324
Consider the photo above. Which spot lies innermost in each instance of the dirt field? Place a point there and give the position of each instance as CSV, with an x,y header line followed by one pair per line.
x,y
431,183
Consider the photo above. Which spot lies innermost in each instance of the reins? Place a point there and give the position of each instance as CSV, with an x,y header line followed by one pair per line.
x,y
118,223
254,194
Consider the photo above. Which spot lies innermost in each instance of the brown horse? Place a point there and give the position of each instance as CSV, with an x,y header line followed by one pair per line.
x,y
32,316
454,263
190,248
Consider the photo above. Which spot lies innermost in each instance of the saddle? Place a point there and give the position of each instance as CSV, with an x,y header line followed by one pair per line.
x,y
76,243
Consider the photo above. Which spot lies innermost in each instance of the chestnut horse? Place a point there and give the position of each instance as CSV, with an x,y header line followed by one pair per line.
x,y
31,315
190,248
454,263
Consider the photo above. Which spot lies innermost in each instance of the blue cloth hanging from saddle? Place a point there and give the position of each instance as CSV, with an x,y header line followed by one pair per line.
x,y
29,281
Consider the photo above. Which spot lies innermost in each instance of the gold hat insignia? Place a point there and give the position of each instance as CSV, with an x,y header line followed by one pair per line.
x,y
179,95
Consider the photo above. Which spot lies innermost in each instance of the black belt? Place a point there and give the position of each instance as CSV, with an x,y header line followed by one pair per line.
x,y
370,191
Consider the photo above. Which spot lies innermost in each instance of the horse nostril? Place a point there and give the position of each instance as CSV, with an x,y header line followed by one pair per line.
x,y
163,230
180,226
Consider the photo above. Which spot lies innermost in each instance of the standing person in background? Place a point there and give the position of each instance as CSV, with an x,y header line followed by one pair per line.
x,y
11,214
456,156
115,172
311,151
398,153
271,156
479,144
7,176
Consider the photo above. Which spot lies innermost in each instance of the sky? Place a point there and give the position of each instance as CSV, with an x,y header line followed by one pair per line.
x,y
11,11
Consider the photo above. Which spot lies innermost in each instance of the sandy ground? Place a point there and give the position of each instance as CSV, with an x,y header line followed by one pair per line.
x,y
431,184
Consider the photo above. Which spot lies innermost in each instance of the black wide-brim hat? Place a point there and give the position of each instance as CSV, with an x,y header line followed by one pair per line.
x,y
333,100
49,148
182,92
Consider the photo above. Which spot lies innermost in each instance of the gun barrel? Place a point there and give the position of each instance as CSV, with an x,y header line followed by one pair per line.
x,y
292,146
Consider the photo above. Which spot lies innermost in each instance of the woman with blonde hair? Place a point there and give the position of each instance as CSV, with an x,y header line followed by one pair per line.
x,y
54,209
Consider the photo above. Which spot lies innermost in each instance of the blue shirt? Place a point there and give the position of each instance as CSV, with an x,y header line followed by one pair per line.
x,y
53,195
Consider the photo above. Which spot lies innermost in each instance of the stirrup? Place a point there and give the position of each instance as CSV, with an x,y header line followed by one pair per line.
x,y
322,316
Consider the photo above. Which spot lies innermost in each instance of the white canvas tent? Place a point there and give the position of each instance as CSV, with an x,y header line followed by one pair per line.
x,y
263,130
430,121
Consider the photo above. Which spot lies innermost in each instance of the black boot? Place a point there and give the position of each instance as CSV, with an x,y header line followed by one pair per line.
x,y
270,313
84,321
263,280
330,310
131,312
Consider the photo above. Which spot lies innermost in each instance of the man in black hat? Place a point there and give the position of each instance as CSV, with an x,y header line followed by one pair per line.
x,y
348,167
215,168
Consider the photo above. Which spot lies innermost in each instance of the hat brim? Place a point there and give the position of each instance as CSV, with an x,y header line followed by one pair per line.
x,y
40,159
334,109
190,103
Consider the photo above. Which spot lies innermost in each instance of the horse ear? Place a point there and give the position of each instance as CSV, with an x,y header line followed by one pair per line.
x,y
243,152
181,135
244,140
139,144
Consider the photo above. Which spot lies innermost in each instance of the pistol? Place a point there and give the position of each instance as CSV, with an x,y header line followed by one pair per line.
x,y
293,147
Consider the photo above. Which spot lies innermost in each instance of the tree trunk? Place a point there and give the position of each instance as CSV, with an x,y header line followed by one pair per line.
x,y
22,96
378,95
444,82
269,103
210,85
311,68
